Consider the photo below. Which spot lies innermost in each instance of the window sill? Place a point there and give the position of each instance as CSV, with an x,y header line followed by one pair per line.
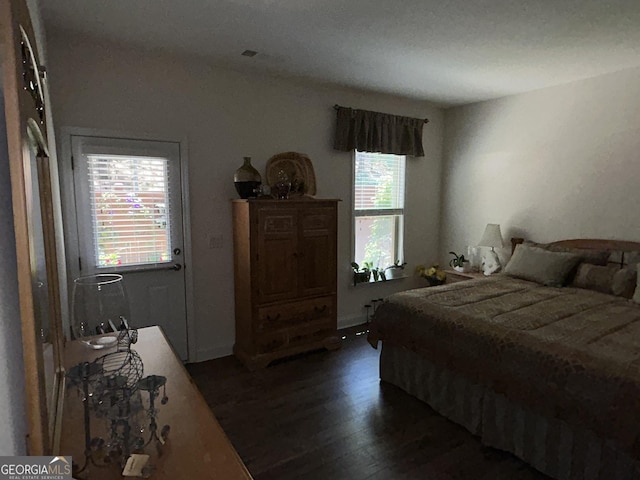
x,y
397,276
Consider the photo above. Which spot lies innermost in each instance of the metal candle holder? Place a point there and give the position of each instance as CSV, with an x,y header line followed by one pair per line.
x,y
110,387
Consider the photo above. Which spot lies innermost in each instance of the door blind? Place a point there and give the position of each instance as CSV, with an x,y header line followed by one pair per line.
x,y
129,198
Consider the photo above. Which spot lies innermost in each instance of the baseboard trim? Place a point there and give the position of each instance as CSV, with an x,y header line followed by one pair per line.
x,y
226,350
351,320
215,352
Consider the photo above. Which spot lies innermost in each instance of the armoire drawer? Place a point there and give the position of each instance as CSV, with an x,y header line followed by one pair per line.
x,y
271,342
292,314
310,332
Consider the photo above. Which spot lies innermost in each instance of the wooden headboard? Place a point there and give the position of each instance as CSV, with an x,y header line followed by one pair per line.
x,y
620,246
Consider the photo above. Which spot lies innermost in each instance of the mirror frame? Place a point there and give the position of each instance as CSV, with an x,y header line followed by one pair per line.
x,y
25,111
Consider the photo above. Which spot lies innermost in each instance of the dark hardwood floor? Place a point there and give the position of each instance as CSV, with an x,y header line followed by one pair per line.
x,y
326,415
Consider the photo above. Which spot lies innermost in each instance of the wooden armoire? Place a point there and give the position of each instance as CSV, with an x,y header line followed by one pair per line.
x,y
285,254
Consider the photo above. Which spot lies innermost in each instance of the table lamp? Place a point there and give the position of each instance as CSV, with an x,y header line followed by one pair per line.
x,y
492,238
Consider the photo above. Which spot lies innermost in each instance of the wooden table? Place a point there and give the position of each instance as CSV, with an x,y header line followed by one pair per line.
x,y
197,447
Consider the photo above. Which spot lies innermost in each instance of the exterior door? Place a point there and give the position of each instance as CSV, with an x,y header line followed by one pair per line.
x,y
128,202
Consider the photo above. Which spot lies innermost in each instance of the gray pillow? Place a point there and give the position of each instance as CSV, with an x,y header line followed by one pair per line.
x,y
631,258
587,255
624,282
636,296
595,277
541,266
612,279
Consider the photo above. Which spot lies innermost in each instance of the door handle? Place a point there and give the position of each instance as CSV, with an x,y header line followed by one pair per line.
x,y
177,267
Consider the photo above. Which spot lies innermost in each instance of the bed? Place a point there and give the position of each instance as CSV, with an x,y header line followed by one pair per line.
x,y
549,373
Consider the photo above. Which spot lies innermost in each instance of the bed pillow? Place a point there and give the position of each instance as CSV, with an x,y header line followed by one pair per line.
x,y
636,295
632,258
587,255
624,282
595,277
542,266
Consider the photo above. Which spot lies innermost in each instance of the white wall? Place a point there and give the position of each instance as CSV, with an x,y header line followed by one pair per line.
x,y
226,115
562,162
12,395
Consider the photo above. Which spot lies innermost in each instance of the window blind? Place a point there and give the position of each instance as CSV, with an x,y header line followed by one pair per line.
x,y
379,182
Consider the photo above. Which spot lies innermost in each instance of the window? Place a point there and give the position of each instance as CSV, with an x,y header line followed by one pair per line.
x,y
378,208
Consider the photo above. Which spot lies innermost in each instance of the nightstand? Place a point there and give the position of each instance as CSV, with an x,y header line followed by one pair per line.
x,y
453,276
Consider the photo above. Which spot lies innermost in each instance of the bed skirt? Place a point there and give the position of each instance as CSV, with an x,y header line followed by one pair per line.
x,y
550,445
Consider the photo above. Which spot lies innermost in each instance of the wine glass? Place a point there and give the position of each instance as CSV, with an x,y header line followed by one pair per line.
x,y
99,302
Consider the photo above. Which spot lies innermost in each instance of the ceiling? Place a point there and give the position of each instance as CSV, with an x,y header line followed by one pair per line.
x,y
448,51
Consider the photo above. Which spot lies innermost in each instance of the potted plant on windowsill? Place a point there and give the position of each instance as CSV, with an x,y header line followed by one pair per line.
x,y
459,263
392,270
376,273
361,275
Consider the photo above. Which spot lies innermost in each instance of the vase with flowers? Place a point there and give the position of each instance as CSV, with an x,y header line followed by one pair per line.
x,y
434,274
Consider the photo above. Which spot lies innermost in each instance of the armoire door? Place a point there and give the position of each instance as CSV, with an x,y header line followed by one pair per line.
x,y
277,255
317,251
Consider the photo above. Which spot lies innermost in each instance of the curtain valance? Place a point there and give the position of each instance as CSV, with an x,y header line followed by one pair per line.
x,y
368,131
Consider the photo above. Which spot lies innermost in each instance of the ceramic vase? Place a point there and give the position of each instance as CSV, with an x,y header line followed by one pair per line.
x,y
247,180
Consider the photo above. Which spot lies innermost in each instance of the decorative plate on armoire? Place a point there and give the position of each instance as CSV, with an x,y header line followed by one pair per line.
x,y
297,167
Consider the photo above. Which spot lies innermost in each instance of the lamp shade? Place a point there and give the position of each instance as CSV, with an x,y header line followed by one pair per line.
x,y
492,236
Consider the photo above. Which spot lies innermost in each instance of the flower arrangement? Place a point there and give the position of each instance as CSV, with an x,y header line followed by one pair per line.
x,y
434,274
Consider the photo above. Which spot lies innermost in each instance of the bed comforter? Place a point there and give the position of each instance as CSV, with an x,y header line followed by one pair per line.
x,y
565,353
